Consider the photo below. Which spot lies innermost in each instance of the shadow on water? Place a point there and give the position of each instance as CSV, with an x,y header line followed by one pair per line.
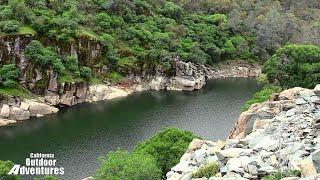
x,y
80,134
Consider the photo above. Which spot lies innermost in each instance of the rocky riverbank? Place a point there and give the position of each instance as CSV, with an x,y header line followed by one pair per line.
x,y
15,109
280,134
187,76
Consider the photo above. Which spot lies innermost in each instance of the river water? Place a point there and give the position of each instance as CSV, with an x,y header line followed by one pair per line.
x,y
79,135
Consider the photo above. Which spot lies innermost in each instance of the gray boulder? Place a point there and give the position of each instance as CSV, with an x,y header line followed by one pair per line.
x,y
18,114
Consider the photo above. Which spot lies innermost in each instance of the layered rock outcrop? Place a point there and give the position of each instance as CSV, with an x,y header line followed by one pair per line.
x,y
281,134
189,76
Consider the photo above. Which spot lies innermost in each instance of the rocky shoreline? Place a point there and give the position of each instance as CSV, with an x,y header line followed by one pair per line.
x,y
280,134
188,77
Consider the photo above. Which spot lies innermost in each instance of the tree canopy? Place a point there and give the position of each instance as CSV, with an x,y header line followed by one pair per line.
x,y
147,32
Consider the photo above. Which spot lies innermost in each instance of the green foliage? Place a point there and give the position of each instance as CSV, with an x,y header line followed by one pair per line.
x,y
27,30
294,65
262,79
50,178
140,33
58,65
42,56
45,178
85,72
261,96
167,146
207,171
70,77
103,21
5,167
278,175
118,165
8,75
172,10
115,77
10,26
15,91
71,63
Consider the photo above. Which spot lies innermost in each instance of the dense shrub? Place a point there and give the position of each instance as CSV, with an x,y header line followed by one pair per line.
x,y
115,77
11,26
167,146
5,167
294,65
118,165
44,57
85,72
261,96
71,63
58,65
8,75
263,25
207,171
279,175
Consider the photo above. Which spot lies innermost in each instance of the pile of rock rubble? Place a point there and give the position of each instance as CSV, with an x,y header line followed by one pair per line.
x,y
277,135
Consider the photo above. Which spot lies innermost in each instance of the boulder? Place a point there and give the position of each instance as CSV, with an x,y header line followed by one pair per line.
x,y
52,98
4,122
11,101
5,111
195,144
267,144
18,114
36,108
235,165
184,82
290,94
67,98
182,167
260,124
175,176
307,168
290,178
233,152
316,159
24,106
200,155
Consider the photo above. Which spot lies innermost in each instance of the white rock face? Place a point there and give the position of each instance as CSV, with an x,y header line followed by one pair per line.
x,y
4,122
24,106
285,133
52,98
97,93
36,108
5,111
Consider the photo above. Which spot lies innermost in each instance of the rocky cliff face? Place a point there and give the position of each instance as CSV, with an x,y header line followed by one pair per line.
x,y
280,134
88,51
51,94
189,76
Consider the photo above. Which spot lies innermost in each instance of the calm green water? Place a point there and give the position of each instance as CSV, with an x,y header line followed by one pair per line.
x,y
79,135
